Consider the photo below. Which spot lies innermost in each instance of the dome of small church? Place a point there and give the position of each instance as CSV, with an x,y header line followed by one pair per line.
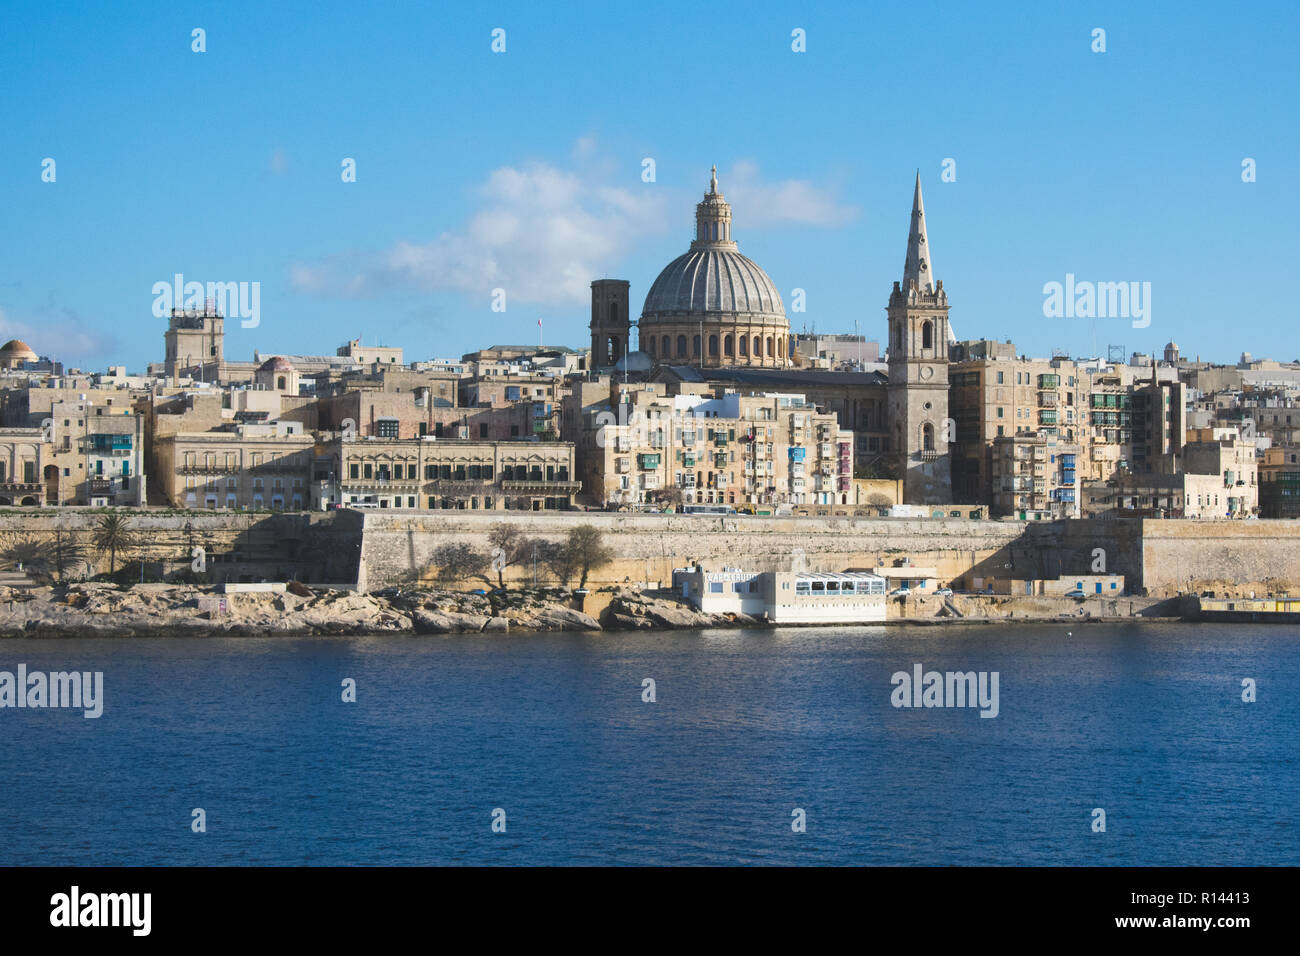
x,y
15,352
18,349
277,363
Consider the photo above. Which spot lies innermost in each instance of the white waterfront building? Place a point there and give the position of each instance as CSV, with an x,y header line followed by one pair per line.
x,y
785,597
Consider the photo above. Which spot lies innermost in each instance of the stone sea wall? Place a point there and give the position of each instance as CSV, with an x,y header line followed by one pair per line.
x,y
648,547
373,550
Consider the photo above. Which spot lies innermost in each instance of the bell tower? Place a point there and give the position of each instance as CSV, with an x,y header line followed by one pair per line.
x,y
611,325
918,371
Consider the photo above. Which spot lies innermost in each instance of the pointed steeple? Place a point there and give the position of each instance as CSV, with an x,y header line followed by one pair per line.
x,y
918,265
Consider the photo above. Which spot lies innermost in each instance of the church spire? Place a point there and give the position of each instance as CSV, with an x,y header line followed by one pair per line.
x,y
918,265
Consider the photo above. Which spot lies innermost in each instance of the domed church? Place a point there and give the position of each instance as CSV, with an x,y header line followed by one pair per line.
x,y
713,307
710,306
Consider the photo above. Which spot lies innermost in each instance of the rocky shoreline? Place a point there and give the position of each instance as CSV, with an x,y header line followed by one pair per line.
x,y
107,610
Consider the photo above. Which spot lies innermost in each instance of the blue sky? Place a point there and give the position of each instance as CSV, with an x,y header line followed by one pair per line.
x,y
523,170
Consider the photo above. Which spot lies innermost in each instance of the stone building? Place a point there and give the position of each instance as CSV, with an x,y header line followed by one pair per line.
x,y
97,455
195,345
1105,409
1035,477
246,468
1006,396
812,350
373,414
1230,459
858,399
25,458
418,474
1279,483
648,446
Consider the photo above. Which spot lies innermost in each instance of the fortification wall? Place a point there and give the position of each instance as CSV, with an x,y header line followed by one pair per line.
x,y
323,548
1221,556
400,547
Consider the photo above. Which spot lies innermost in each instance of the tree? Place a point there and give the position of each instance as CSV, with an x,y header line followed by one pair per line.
x,y
558,559
671,497
113,534
587,550
509,547
457,561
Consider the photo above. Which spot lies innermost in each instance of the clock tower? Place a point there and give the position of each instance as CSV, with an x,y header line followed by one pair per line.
x,y
918,371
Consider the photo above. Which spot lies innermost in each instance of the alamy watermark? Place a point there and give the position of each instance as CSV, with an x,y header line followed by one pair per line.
x,y
1098,300
923,688
127,910
82,690
231,299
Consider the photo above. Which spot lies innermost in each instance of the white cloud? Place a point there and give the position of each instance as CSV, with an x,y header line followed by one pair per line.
x,y
786,201
541,233
59,333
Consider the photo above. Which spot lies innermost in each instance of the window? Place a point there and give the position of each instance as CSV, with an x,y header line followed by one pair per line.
x,y
387,428
927,334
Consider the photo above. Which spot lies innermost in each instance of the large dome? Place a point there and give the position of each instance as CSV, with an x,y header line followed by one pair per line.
x,y
713,305
712,281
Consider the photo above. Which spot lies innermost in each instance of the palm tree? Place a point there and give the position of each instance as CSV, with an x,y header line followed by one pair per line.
x,y
112,534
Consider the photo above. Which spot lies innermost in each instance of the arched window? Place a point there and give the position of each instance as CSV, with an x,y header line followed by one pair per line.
x,y
695,343
927,436
758,347
715,230
743,343
681,346
927,334
713,346
613,312
770,348
282,385
780,348
650,344
727,348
